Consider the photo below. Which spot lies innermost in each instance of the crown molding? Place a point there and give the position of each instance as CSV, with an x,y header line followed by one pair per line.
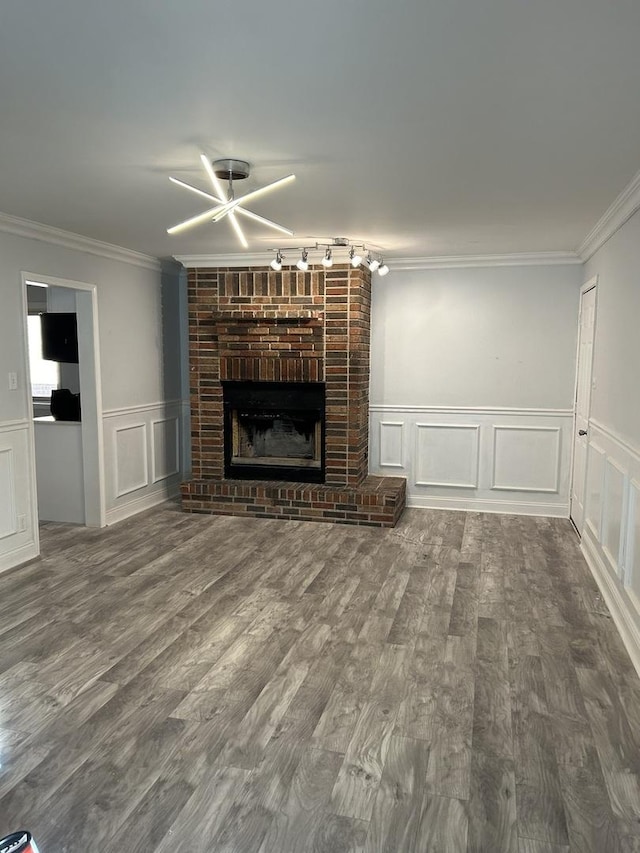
x,y
259,259
516,259
246,259
57,237
622,209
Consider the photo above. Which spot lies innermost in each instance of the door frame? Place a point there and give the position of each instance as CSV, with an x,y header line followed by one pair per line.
x,y
91,423
590,284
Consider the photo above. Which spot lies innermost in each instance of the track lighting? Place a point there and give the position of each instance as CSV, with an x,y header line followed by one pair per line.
x,y
357,254
372,263
327,261
303,263
355,259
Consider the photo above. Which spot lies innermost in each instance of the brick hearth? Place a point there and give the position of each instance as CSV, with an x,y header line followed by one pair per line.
x,y
255,324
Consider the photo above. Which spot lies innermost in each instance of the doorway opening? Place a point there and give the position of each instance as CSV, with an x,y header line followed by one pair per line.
x,y
65,401
584,382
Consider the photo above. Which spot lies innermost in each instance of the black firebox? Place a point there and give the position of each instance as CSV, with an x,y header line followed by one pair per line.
x,y
274,431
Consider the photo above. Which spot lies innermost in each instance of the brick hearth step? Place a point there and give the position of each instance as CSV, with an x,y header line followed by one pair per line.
x,y
377,501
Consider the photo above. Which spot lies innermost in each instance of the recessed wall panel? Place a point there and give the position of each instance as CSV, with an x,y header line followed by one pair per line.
x,y
165,448
131,459
633,554
7,494
613,511
447,455
526,458
595,479
391,444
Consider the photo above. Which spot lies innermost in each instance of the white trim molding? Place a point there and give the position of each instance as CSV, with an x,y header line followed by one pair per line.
x,y
611,535
19,539
538,508
553,459
519,259
515,259
143,407
57,237
621,605
468,410
451,459
138,480
622,209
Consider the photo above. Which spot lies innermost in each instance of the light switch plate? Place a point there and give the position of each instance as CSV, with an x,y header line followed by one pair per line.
x,y
13,381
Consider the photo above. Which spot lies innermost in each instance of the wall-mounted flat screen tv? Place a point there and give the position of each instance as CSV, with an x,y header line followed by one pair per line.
x,y
59,337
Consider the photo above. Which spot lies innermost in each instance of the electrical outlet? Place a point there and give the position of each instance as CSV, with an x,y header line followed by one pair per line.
x,y
22,523
13,381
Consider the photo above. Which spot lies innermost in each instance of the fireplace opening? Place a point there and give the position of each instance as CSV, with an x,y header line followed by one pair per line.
x,y
274,430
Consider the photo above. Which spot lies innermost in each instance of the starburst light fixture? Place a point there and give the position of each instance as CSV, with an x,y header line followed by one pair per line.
x,y
225,202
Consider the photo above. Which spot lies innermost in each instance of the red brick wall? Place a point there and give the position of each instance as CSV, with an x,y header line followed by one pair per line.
x,y
262,325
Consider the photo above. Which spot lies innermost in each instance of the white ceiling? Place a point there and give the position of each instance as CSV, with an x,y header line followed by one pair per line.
x,y
427,127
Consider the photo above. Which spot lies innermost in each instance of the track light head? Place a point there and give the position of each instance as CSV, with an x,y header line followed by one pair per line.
x,y
303,263
354,258
276,263
383,269
372,263
327,261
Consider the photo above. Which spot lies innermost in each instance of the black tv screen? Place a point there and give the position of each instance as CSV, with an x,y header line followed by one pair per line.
x,y
59,337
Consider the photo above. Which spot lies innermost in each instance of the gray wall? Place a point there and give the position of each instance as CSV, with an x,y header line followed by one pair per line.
x,y
129,310
141,379
501,336
616,392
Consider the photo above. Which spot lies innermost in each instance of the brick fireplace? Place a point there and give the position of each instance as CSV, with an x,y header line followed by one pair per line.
x,y
255,334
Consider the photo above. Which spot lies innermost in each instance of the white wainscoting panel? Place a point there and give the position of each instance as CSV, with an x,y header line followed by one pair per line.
x,y
526,458
493,460
165,448
611,537
8,520
595,487
633,539
131,459
391,444
18,513
447,455
143,456
613,514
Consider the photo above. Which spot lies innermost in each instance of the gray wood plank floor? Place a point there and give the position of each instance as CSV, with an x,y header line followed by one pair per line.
x,y
195,683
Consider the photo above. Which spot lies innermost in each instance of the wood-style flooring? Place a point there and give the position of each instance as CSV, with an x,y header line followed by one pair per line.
x,y
196,683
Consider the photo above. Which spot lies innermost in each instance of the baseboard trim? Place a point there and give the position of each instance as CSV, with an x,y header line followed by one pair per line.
x,y
18,556
616,600
125,509
550,510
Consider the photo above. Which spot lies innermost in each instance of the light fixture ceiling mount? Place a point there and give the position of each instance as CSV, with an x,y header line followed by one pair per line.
x,y
226,204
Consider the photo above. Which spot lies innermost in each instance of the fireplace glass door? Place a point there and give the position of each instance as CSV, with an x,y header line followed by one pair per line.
x,y
292,439
274,430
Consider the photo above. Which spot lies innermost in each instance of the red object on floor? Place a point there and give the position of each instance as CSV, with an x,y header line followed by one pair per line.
x,y
18,842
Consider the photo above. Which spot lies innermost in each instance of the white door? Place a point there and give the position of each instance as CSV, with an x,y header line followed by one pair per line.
x,y
583,400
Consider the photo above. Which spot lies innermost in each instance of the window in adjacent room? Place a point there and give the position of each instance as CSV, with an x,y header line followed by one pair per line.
x,y
45,375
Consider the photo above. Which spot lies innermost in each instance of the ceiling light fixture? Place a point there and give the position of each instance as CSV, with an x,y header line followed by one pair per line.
x,y
303,263
225,202
354,251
